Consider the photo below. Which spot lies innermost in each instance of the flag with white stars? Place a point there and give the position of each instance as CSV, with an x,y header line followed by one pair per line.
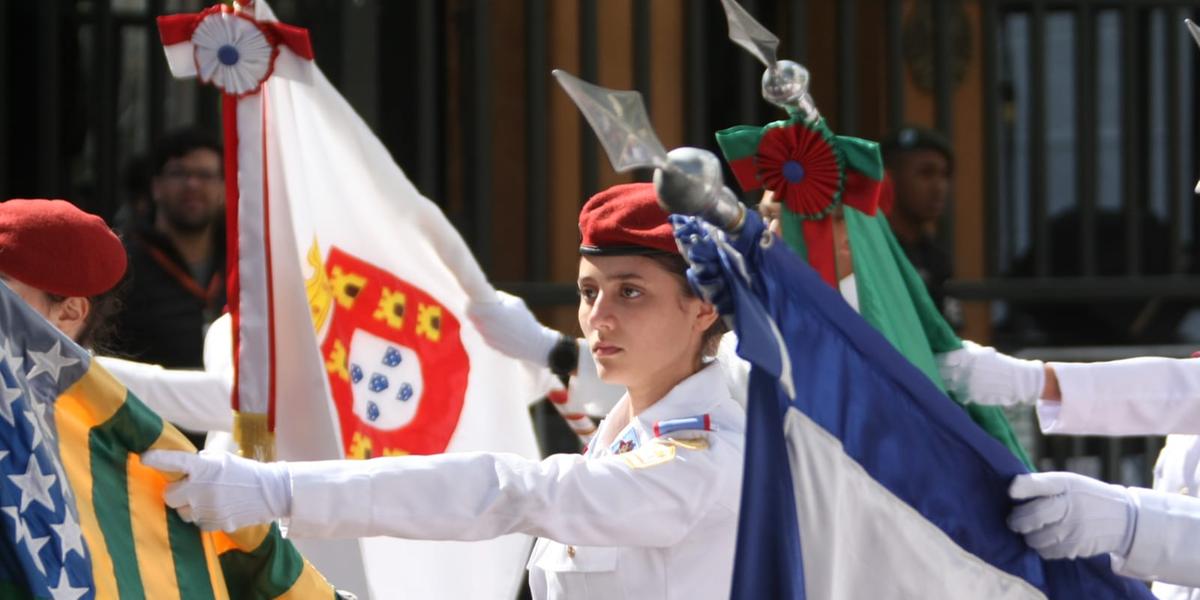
x,y
80,517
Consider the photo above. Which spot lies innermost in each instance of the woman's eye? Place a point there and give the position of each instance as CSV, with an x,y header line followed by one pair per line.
x,y
588,294
629,292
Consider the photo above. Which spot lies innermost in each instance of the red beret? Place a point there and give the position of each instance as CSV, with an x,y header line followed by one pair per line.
x,y
55,247
625,219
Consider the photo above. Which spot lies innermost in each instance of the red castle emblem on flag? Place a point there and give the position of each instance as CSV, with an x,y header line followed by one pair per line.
x,y
397,368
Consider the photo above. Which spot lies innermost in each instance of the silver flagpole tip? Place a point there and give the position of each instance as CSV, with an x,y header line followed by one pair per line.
x,y
750,34
620,121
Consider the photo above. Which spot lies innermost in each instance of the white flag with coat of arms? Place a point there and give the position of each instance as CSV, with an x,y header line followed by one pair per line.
x,y
371,352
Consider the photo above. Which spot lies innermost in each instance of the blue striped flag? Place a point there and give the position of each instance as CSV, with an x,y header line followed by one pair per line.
x,y
862,479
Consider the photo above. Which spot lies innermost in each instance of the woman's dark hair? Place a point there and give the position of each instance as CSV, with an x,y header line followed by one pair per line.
x,y
99,326
676,265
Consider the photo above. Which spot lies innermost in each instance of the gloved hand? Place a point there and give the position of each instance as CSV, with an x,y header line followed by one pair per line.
x,y
508,326
982,375
1072,516
223,491
704,274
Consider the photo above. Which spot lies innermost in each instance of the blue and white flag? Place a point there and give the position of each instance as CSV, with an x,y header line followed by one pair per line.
x,y
862,479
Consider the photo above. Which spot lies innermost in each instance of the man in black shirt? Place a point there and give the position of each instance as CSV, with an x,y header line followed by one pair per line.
x,y
177,261
920,164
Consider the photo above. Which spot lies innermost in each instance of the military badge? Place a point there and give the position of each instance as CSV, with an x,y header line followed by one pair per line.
x,y
627,441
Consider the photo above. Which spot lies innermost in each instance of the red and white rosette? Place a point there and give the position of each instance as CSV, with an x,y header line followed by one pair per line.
x,y
236,49
232,52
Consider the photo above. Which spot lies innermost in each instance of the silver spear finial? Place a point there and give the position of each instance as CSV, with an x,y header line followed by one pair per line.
x,y
688,180
784,83
619,120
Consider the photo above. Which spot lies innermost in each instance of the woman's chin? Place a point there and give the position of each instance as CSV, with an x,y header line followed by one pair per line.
x,y
610,371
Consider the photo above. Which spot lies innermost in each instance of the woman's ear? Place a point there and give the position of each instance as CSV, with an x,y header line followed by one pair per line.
x,y
706,316
70,315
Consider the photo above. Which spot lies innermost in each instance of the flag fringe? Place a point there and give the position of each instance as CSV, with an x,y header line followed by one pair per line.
x,y
255,440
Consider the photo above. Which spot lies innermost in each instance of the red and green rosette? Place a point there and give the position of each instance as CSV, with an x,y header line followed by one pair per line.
x,y
811,171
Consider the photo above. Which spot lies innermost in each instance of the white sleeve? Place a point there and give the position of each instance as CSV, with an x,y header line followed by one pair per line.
x,y
195,400
475,496
1137,396
218,348
1164,543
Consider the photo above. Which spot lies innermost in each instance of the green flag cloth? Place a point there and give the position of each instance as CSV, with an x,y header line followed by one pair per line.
x,y
891,295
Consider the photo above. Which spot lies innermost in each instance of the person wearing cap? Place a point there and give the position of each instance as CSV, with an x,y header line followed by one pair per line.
x,y
67,264
919,166
650,510
64,263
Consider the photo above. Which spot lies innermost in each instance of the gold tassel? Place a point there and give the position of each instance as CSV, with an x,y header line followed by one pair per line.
x,y
254,440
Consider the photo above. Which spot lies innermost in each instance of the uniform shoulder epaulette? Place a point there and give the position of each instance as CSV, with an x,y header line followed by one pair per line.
x,y
696,423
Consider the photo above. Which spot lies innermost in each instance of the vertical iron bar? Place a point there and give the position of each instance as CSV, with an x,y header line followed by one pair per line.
x,y
749,75
588,44
991,133
537,155
798,31
207,106
895,59
1112,459
49,176
107,54
944,106
5,190
1175,194
643,46
477,131
696,52
427,90
1131,130
156,66
1085,138
943,102
847,62
1037,138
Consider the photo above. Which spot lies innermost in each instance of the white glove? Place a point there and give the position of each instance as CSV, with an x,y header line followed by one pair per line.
x,y
981,375
508,326
1072,516
223,491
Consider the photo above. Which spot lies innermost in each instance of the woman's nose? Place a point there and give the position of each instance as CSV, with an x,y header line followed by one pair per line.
x,y
601,315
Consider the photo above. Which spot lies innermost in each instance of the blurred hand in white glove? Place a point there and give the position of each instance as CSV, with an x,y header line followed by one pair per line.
x,y
507,325
981,375
220,491
1072,516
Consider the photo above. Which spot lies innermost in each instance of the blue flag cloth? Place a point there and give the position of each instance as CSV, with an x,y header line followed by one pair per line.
x,y
862,479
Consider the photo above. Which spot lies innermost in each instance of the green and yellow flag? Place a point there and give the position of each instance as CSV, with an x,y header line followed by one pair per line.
x,y
82,517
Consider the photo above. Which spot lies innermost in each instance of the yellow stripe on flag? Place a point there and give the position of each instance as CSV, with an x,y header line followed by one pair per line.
x,y
83,406
310,584
211,558
151,540
245,539
172,439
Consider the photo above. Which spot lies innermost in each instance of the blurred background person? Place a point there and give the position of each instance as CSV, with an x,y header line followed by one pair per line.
x,y
177,261
920,164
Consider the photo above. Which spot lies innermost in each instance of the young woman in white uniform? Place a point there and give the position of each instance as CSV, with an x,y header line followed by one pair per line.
x,y
649,512
1150,534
